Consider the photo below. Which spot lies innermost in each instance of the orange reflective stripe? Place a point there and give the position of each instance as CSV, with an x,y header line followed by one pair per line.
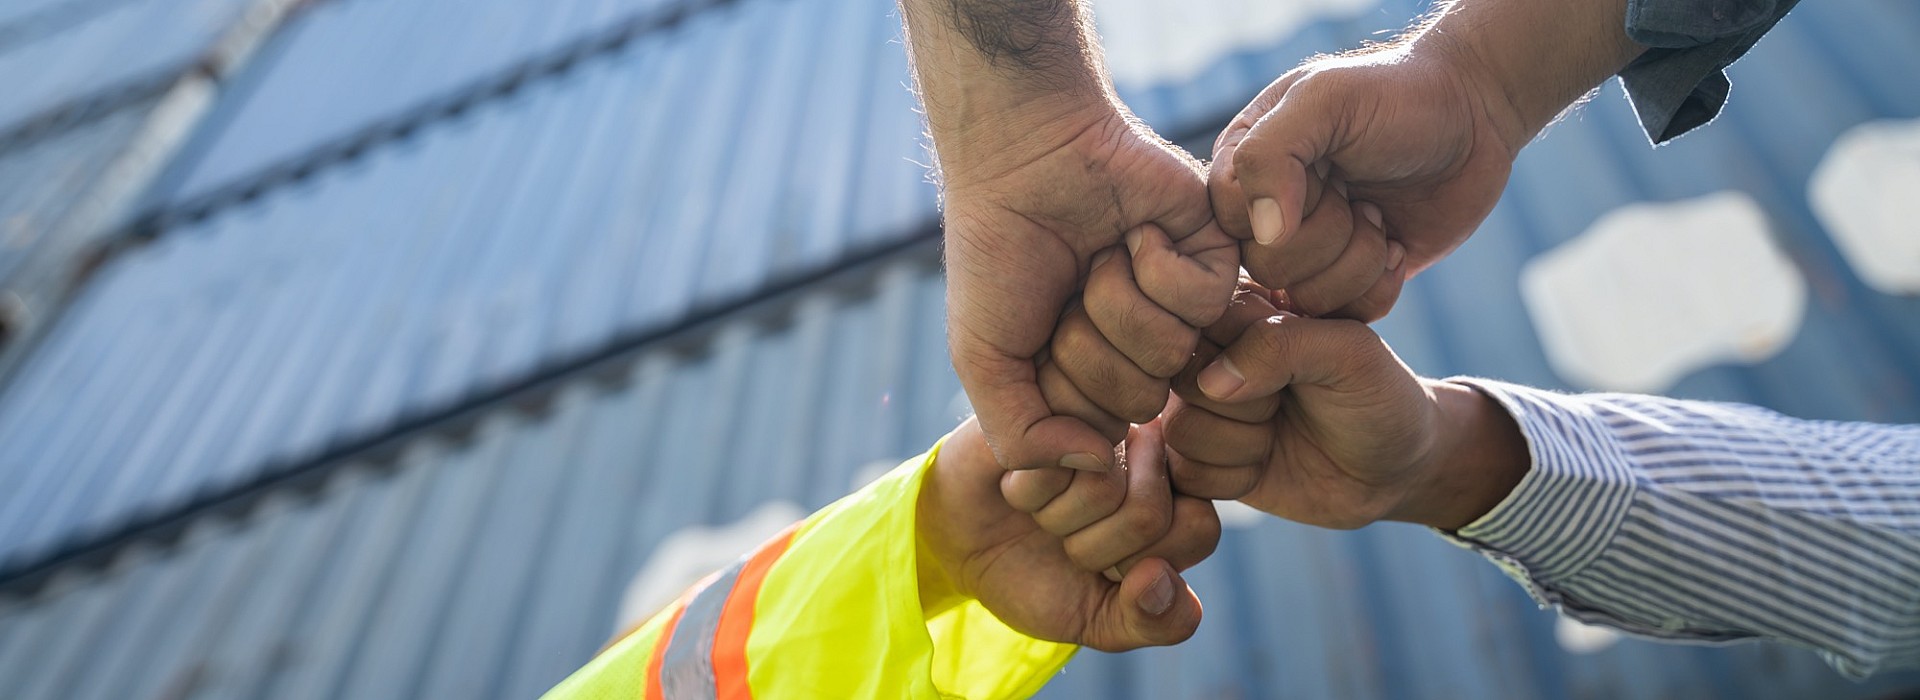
x,y
736,619
654,691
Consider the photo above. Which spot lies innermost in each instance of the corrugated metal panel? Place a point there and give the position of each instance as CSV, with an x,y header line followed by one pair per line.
x,y
41,183
539,228
490,567
106,47
405,55
589,205
751,142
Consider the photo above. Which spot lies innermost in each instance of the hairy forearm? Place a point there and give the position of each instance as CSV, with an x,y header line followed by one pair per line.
x,y
1536,57
1000,78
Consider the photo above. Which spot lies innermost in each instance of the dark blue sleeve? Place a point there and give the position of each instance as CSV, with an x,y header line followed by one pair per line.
x,y
1680,82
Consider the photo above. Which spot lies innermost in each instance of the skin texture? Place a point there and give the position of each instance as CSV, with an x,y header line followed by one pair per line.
x,y
1313,420
1424,129
1317,421
1348,175
1043,169
972,544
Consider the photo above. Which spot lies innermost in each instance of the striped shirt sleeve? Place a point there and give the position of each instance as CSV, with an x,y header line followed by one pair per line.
x,y
1711,522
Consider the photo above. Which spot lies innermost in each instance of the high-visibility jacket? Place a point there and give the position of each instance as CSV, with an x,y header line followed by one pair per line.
x,y
829,608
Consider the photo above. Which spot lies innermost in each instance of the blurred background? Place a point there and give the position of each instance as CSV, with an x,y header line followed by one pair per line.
x,y
400,349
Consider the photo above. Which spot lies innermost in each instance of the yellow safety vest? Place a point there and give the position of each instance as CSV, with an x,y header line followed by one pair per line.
x,y
829,608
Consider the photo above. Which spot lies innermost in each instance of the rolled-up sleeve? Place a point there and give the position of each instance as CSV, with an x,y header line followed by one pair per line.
x,y
1709,522
1680,82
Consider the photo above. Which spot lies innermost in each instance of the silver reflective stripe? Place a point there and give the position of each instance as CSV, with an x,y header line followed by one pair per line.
x,y
686,669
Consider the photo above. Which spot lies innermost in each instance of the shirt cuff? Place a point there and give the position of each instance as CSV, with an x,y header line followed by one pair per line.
x,y
1565,511
1680,82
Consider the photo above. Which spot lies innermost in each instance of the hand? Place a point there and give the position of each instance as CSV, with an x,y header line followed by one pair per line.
x,y
1317,421
1425,129
1111,357
974,545
1416,131
1020,238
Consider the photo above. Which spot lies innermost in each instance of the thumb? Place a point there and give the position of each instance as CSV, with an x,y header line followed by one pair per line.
x,y
1280,165
1284,350
1022,430
1151,606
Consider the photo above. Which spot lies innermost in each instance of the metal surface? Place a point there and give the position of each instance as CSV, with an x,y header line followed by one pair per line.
x,y
747,149
40,184
489,566
59,61
542,224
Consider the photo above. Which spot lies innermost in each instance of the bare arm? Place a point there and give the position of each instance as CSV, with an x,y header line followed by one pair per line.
x,y
1042,168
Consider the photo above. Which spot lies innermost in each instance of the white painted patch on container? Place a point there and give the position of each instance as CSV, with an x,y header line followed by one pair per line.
x,y
1580,638
1867,193
1152,41
693,552
1652,292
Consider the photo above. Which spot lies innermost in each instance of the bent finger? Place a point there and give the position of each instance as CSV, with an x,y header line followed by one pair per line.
x,y
1322,237
1210,481
1194,537
1090,497
1379,299
1156,340
1103,374
1193,278
1353,273
1029,490
1144,515
1065,399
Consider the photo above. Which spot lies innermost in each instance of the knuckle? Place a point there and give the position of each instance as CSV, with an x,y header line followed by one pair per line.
x,y
1084,554
1183,423
1031,490
1142,401
1169,352
1213,482
1197,526
1250,160
1146,521
1073,341
1311,299
1093,496
1240,482
1268,338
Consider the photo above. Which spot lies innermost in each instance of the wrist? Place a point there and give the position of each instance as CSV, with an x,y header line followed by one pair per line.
x,y
1478,457
938,556
1005,81
978,150
1527,62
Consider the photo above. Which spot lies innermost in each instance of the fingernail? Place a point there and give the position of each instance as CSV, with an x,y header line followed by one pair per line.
x,y
1265,214
1159,595
1220,379
1341,187
1133,242
1372,212
1396,254
1113,574
1083,461
1321,168
1101,258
